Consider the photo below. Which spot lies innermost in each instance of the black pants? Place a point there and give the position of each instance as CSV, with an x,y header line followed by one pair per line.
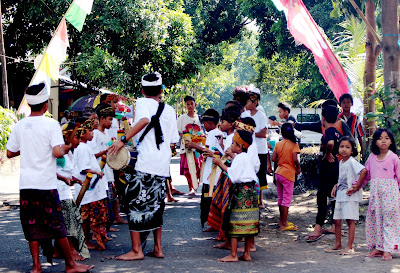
x,y
262,177
328,175
205,204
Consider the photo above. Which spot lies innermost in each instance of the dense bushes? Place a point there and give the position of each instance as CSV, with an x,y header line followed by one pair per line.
x,y
7,121
309,158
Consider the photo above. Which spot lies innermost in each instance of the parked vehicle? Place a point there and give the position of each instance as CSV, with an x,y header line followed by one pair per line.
x,y
308,115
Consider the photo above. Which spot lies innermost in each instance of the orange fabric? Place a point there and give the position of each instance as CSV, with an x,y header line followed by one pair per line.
x,y
337,125
285,150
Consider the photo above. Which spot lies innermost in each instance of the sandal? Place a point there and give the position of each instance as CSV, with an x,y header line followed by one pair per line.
x,y
313,238
374,254
387,257
289,228
347,252
332,250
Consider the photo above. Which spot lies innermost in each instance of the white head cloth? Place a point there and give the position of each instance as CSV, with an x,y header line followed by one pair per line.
x,y
155,83
42,96
253,89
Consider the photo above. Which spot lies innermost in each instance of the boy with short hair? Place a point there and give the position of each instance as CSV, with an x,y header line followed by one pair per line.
x,y
94,210
352,120
210,120
189,122
328,170
146,207
284,112
39,141
100,145
243,207
261,138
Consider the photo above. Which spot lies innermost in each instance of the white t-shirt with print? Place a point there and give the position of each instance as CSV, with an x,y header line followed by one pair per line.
x,y
150,159
84,159
185,120
64,190
100,143
242,170
211,141
35,138
261,122
349,172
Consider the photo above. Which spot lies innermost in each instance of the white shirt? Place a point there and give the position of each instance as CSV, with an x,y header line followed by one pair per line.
x,y
241,170
228,141
261,122
211,141
35,138
113,131
183,121
64,190
150,159
349,172
252,153
84,159
100,143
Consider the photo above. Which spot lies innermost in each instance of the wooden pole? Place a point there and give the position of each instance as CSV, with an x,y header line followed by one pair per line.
x,y
367,24
4,84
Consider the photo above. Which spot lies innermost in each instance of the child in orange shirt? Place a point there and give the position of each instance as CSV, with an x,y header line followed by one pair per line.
x,y
285,155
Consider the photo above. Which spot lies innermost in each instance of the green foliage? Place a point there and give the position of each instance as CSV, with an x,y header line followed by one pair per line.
x,y
309,160
7,122
385,115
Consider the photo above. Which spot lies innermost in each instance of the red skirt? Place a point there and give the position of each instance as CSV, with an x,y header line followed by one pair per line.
x,y
184,164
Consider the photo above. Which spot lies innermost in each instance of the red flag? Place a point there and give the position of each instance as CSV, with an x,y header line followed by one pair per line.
x,y
304,30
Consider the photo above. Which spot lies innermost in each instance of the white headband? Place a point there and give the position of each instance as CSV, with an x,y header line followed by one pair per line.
x,y
156,83
42,96
253,89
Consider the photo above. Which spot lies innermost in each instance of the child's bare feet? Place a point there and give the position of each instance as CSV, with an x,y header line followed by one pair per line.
x,y
375,253
176,192
172,200
155,254
113,229
131,256
224,245
229,258
37,270
90,245
387,256
245,258
77,268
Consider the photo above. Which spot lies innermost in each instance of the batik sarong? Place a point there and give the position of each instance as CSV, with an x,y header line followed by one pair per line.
x,y
243,211
73,226
145,196
219,204
96,215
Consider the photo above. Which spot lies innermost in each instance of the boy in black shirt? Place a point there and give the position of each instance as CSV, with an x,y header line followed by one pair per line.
x,y
329,168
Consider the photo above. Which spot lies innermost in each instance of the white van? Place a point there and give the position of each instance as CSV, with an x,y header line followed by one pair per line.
x,y
308,115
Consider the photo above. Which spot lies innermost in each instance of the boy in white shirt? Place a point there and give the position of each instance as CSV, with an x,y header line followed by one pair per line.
x,y
189,122
243,206
94,210
261,138
73,220
210,120
39,141
100,145
146,188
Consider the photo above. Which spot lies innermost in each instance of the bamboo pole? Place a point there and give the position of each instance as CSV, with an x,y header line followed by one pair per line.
x,y
4,83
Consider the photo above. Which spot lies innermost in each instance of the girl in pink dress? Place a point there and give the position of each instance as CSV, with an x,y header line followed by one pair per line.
x,y
383,218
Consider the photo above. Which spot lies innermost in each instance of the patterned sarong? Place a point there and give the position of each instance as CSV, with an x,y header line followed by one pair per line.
x,y
145,196
219,204
96,214
243,211
73,226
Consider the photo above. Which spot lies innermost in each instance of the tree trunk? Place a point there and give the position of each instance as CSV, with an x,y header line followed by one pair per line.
x,y
390,30
372,51
3,66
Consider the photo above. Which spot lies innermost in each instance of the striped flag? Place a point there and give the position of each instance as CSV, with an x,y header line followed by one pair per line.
x,y
77,12
56,52
305,31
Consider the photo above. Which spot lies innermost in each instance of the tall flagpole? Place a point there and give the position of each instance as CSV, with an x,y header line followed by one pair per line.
x,y
4,84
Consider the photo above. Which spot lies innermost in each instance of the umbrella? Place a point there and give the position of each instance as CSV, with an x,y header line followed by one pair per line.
x,y
81,103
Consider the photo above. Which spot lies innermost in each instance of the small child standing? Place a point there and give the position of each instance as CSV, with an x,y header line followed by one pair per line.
x,y
94,210
210,120
243,205
72,217
382,224
189,122
348,194
285,155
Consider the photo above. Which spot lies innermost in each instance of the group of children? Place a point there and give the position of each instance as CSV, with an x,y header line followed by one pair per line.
x,y
231,166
